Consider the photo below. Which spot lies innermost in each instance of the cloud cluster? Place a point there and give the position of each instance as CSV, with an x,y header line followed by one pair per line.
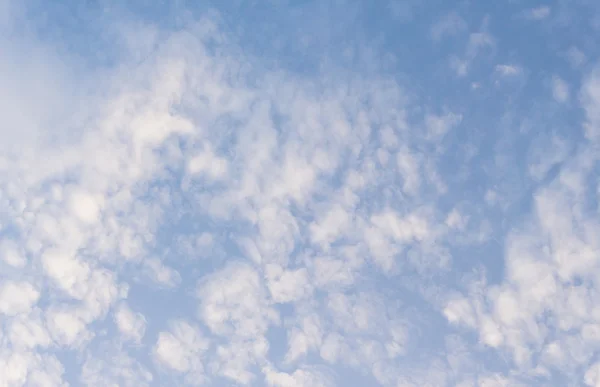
x,y
196,215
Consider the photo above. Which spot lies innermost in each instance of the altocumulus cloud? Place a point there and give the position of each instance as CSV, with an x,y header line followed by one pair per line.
x,y
299,194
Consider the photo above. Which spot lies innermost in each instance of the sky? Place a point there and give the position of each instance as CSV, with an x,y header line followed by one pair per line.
x,y
293,193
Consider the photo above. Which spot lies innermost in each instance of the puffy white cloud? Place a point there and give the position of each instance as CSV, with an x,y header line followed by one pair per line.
x,y
234,304
17,297
209,164
182,349
28,331
233,301
287,285
116,369
131,324
299,378
236,359
12,254
84,206
68,272
26,368
308,335
67,327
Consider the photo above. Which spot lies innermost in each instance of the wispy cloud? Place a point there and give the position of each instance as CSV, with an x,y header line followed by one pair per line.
x,y
449,25
538,13
560,90
508,70
477,43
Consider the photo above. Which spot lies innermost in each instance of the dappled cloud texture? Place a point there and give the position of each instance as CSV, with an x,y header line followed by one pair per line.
x,y
282,193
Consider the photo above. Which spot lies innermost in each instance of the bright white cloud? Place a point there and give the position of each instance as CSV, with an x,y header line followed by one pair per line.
x,y
132,325
17,297
299,378
84,206
181,349
67,327
234,301
28,331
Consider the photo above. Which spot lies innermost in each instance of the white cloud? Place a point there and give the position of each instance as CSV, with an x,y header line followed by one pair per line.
x,y
449,25
460,66
236,359
13,369
287,285
67,327
85,207
330,226
28,332
560,89
182,349
508,70
592,376
117,369
403,11
331,272
476,45
68,272
439,125
234,301
307,336
298,378
205,240
132,325
208,163
172,352
17,297
590,96
161,274
575,56
333,347
460,311
408,166
12,254
26,368
546,154
494,381
456,220
234,304
547,293
538,13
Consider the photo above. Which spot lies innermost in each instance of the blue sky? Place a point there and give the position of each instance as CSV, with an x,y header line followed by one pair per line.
x,y
299,193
